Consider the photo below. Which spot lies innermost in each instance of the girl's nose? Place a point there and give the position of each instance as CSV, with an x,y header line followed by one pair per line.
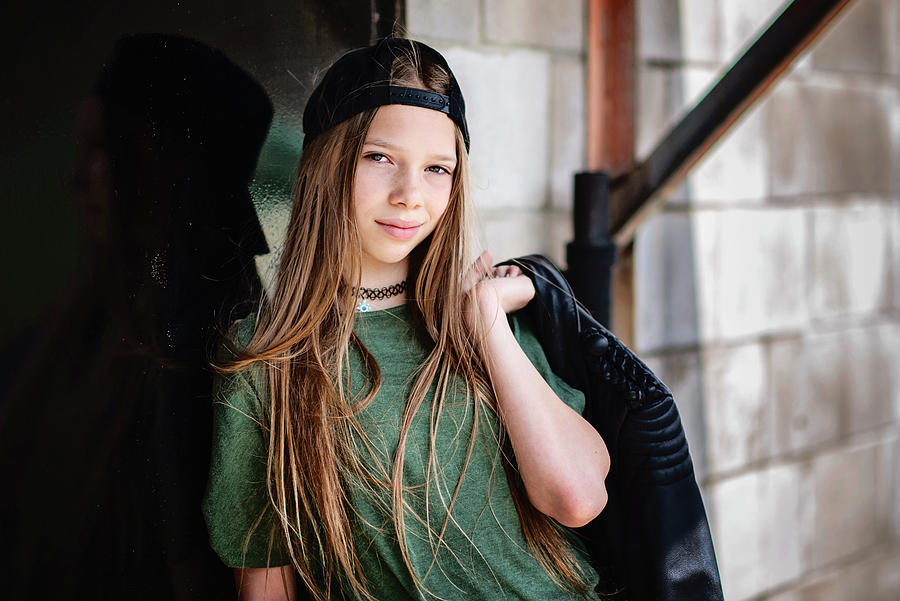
x,y
407,189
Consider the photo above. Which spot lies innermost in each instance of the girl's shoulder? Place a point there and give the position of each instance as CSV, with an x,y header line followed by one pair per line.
x,y
251,379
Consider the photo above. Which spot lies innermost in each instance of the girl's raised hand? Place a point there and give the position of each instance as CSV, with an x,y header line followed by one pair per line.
x,y
562,460
498,289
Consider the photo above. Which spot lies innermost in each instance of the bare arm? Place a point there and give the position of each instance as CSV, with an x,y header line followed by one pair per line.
x,y
561,458
266,584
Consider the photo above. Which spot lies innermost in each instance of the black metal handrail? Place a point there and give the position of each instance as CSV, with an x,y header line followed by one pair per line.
x,y
729,97
630,198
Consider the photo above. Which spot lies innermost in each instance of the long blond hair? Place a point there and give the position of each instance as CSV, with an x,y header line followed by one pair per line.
x,y
303,338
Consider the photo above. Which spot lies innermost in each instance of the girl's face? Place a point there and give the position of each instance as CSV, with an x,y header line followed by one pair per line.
x,y
402,186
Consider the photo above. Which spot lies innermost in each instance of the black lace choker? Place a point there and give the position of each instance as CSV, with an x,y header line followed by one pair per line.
x,y
367,294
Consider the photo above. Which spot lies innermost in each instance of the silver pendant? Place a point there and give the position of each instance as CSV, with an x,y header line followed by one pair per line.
x,y
364,307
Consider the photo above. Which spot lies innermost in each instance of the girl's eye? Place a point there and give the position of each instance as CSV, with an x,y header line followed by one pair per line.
x,y
377,157
438,169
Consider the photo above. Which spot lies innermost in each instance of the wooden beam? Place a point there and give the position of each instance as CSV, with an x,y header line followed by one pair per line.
x,y
610,85
610,126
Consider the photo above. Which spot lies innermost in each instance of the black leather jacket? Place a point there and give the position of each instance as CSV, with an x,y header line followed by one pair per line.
x,y
652,540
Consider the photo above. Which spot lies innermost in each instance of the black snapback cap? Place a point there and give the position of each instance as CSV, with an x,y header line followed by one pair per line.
x,y
360,80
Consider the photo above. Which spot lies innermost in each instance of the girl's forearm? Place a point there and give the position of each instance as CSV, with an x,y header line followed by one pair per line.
x,y
561,458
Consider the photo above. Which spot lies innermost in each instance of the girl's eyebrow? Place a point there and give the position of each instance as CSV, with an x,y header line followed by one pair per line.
x,y
447,158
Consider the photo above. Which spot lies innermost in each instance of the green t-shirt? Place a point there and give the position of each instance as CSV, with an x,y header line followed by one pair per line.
x,y
483,554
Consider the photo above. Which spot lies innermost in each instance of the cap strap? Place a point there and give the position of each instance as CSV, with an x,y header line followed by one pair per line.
x,y
415,97
381,95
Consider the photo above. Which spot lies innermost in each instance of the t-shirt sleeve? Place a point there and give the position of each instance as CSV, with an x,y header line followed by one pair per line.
x,y
236,506
572,397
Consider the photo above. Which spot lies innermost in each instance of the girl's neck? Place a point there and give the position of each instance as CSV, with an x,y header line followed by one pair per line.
x,y
386,278
377,275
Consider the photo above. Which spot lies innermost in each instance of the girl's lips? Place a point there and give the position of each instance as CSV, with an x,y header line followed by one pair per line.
x,y
401,230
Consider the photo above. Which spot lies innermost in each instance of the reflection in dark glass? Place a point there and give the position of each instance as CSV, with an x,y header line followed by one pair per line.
x,y
112,300
106,423
50,54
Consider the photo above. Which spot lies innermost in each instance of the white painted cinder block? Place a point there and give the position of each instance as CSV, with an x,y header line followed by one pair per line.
x,y
798,414
851,260
894,224
842,502
665,283
844,382
829,139
892,23
756,530
870,579
738,415
516,233
536,23
567,134
886,472
681,372
873,354
742,22
751,271
678,30
444,19
895,496
507,108
887,579
895,131
736,168
780,533
789,595
652,105
859,41
827,386
819,418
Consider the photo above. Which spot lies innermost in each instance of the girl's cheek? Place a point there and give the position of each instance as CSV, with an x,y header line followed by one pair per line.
x,y
440,185
367,184
439,210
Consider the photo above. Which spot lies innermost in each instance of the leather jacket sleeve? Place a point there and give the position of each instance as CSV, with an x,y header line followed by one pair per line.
x,y
652,541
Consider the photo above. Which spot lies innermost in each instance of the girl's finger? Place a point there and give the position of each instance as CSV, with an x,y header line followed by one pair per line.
x,y
506,271
479,269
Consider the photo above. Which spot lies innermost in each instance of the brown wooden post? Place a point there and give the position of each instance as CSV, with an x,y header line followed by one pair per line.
x,y
610,85
610,124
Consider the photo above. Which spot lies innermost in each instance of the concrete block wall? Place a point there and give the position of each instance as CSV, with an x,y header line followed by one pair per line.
x,y
766,295
520,64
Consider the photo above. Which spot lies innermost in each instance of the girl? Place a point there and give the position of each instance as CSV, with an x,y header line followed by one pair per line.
x,y
384,430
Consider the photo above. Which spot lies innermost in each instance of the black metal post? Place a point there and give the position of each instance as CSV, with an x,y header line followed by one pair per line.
x,y
591,254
